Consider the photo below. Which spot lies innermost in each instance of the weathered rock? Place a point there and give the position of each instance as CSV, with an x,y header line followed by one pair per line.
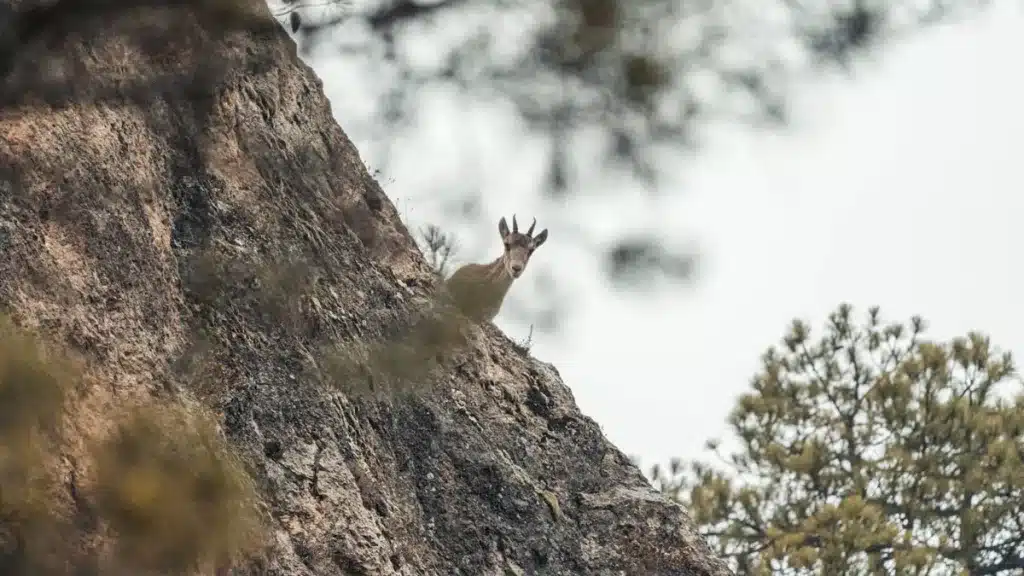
x,y
138,159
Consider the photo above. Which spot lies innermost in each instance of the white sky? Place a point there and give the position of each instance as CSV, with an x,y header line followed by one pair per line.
x,y
901,188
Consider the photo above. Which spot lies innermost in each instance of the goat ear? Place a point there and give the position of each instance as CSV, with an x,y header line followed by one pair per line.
x,y
540,238
503,227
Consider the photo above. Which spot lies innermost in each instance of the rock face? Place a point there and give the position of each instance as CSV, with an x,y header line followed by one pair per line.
x,y
173,187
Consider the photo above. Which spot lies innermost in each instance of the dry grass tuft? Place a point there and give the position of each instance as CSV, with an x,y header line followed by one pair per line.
x,y
397,367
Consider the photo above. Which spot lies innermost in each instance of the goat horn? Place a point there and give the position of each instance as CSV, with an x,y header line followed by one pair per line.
x,y
515,225
530,231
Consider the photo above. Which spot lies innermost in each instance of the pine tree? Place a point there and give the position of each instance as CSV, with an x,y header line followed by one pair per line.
x,y
869,450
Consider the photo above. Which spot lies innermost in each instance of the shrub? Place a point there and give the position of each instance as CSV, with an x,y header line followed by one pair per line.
x,y
33,386
173,494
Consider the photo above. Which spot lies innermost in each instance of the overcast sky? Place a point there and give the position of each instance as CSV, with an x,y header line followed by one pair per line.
x,y
901,187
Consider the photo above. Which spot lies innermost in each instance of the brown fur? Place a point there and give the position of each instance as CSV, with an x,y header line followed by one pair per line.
x,y
479,289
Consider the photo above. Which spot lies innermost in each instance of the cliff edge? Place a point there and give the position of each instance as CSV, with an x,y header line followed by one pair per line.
x,y
179,208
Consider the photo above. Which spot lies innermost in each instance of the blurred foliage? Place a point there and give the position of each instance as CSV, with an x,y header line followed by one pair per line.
x,y
166,485
279,292
48,49
34,383
868,450
616,90
275,288
173,494
635,261
639,74
395,367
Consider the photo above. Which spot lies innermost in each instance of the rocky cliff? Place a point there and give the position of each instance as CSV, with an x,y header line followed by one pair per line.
x,y
179,209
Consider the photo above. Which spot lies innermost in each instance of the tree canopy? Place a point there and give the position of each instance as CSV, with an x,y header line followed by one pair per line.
x,y
615,91
868,450
637,76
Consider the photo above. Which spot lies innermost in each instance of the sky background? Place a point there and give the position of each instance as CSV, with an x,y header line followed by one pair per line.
x,y
899,187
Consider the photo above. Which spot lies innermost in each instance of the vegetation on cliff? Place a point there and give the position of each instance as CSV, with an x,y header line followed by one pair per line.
x,y
164,485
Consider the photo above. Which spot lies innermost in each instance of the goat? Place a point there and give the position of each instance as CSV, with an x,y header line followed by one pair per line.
x,y
478,290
